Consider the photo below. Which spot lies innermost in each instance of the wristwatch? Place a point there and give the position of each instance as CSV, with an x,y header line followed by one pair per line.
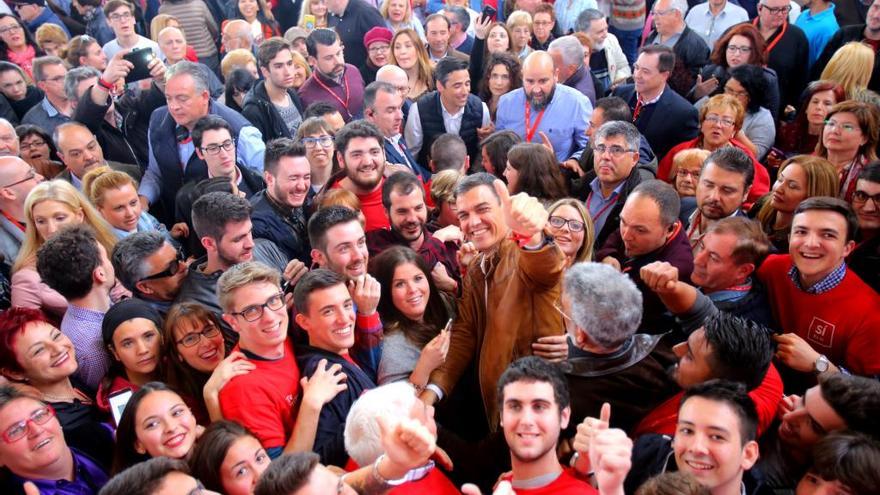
x,y
821,365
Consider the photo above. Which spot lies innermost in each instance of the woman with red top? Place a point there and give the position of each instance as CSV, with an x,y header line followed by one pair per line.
x,y
131,334
849,141
721,120
34,353
16,43
258,15
800,136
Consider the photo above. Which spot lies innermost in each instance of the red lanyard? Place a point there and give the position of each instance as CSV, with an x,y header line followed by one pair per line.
x,y
601,210
638,109
530,132
334,95
14,221
694,225
772,44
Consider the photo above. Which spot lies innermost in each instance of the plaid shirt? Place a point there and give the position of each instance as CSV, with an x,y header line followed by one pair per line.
x,y
830,281
432,250
83,327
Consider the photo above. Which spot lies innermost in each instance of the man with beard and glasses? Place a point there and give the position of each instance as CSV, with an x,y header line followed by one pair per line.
x,y
867,33
223,223
280,210
404,199
333,81
361,156
542,107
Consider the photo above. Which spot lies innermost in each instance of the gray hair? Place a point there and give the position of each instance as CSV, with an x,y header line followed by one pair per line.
x,y
570,48
586,18
664,196
40,63
605,304
372,90
363,439
129,257
679,5
474,181
390,70
619,128
76,76
461,15
191,68
4,122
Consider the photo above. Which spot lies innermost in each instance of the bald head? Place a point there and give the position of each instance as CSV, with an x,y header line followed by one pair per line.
x,y
173,44
17,179
394,76
237,34
8,139
539,79
78,148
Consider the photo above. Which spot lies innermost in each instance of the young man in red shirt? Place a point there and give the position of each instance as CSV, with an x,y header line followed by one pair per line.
x,y
826,312
361,156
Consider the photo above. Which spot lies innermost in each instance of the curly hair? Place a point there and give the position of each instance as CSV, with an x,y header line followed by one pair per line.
x,y
514,71
67,261
746,30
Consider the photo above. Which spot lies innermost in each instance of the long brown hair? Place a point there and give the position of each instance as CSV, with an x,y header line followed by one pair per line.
x,y
178,373
539,174
822,180
868,123
746,30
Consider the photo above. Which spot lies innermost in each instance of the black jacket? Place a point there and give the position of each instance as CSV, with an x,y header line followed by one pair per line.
x,y
128,143
358,18
843,36
772,99
670,121
286,230
612,223
32,97
790,58
691,54
258,109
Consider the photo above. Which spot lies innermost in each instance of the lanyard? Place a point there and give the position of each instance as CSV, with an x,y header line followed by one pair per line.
x,y
601,210
334,95
530,132
14,221
694,226
772,44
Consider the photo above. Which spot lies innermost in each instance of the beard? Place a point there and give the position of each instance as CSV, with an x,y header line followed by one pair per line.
x,y
541,103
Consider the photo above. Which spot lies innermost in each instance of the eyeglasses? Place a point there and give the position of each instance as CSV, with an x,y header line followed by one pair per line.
x,y
10,29
714,119
194,338
255,312
324,141
776,10
739,49
684,173
379,49
214,149
558,222
30,175
861,197
18,431
173,269
56,79
733,92
32,144
120,17
662,12
846,127
614,150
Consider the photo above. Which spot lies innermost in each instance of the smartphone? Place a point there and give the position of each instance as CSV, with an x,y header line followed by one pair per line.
x,y
118,400
309,21
140,58
489,12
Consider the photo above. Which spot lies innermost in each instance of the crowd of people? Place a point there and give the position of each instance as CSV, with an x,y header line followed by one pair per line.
x,y
290,247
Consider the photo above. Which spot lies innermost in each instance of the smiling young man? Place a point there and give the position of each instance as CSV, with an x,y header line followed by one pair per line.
x,y
714,441
361,155
326,311
819,303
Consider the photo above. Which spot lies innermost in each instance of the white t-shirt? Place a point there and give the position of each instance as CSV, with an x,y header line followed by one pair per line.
x,y
112,47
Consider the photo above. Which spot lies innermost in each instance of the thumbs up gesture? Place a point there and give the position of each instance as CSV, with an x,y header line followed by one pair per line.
x,y
524,214
586,432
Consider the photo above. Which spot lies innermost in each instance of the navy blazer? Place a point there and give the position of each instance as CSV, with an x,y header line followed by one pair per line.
x,y
393,156
674,119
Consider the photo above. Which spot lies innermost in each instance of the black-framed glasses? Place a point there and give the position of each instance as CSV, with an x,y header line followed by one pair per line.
x,y
10,28
214,149
311,142
861,197
255,312
18,430
776,10
192,338
30,176
173,269
33,144
558,222
614,150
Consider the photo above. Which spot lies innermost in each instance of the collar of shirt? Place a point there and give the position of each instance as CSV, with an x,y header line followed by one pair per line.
x,y
84,314
733,293
720,14
237,175
50,109
830,281
652,100
451,116
597,190
87,476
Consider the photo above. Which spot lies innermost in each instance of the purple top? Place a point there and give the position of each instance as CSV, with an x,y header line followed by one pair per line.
x,y
88,478
83,328
348,97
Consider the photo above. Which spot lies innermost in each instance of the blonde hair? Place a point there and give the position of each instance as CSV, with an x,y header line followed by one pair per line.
x,y
338,197
63,192
305,10
851,66
98,181
519,18
159,23
407,16
443,186
822,180
51,32
237,59
725,102
423,64
686,157
585,253
241,275
299,60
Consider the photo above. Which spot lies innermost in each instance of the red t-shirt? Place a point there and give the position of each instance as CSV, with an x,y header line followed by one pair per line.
x,y
842,323
565,484
371,205
263,400
766,396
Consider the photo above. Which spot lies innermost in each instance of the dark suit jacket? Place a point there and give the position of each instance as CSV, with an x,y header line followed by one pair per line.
x,y
133,170
393,156
673,120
